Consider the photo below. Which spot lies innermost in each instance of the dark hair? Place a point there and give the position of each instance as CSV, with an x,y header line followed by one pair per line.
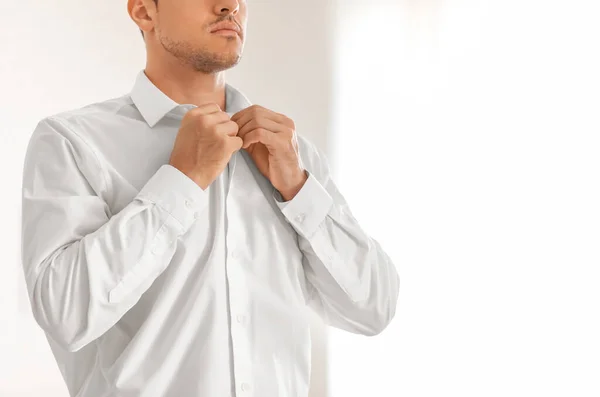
x,y
141,31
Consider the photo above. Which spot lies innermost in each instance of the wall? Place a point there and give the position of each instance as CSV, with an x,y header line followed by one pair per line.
x,y
63,54
473,125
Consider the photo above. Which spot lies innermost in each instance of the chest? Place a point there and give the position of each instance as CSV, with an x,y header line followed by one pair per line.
x,y
241,218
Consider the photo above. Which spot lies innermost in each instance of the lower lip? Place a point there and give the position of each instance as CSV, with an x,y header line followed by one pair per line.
x,y
226,32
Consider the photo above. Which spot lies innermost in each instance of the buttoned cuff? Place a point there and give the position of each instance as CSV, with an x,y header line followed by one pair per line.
x,y
308,208
177,194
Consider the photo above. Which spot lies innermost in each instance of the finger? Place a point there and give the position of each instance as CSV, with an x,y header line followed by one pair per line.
x,y
283,119
241,113
266,137
236,143
229,128
244,116
217,118
265,120
265,123
262,114
206,108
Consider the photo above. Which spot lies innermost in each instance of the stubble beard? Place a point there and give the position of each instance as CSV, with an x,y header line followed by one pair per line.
x,y
201,59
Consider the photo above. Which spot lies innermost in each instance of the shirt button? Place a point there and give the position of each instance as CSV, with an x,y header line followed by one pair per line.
x,y
234,254
241,318
188,203
197,215
245,387
300,218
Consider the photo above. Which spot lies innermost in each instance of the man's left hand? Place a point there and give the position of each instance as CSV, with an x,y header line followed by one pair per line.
x,y
270,139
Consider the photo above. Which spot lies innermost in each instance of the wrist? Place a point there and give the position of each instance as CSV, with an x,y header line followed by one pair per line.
x,y
197,177
201,181
291,192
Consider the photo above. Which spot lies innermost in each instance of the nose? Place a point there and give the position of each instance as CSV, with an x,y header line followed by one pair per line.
x,y
226,7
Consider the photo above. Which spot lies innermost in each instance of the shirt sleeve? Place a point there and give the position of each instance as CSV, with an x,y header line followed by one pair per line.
x,y
84,267
352,282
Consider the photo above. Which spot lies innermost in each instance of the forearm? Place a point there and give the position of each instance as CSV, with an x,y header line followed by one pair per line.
x,y
84,272
354,279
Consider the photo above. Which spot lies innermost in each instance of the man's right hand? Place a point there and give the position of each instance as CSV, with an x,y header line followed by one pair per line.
x,y
205,143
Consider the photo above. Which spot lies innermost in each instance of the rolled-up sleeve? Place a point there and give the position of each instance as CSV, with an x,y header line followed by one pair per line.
x,y
353,283
84,267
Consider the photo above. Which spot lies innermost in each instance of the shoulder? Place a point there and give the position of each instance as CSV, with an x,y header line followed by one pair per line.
x,y
70,134
93,110
77,125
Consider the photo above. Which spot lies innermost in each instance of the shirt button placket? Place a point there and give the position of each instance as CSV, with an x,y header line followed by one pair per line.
x,y
237,307
238,304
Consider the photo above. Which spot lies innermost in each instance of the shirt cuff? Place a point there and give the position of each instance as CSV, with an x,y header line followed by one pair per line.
x,y
308,208
177,194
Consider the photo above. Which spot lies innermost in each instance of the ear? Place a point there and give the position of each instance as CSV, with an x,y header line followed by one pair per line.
x,y
143,13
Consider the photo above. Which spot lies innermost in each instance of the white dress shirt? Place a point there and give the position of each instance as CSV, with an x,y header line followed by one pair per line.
x,y
148,286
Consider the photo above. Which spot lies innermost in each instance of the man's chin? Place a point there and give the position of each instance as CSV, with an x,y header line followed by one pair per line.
x,y
217,65
231,61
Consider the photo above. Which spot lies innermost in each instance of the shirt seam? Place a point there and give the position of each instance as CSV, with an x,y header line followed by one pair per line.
x,y
102,170
157,203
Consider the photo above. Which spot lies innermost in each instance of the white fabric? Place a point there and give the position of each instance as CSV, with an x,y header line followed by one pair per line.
x,y
146,285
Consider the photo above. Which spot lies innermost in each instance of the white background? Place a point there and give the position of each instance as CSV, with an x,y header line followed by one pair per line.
x,y
468,143
464,134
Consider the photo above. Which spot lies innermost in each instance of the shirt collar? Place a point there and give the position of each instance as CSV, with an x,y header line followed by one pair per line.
x,y
153,104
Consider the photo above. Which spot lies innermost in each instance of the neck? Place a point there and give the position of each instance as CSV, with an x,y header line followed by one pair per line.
x,y
187,86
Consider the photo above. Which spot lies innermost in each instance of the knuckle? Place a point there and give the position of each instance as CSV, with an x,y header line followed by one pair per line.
x,y
203,123
256,109
226,128
218,129
233,127
194,111
192,115
211,106
289,123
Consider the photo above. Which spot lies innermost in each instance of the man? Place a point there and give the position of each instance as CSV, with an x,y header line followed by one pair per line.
x,y
173,237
